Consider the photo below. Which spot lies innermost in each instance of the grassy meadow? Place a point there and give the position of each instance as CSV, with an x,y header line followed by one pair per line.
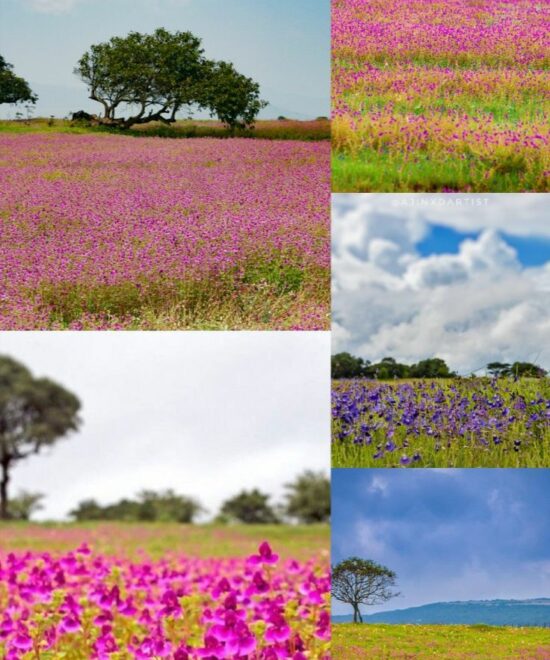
x,y
159,539
466,422
444,96
266,129
420,642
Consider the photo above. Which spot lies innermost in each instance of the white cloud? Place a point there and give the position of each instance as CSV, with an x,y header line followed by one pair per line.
x,y
378,485
369,540
470,307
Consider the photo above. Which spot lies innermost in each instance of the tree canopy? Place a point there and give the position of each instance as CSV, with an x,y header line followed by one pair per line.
x,y
13,88
250,507
159,74
34,413
358,582
308,498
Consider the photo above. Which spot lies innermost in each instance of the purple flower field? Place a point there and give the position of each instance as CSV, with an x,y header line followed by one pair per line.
x,y
474,422
115,232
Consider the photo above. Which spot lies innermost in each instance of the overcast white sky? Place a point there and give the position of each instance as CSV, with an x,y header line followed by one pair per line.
x,y
204,413
462,277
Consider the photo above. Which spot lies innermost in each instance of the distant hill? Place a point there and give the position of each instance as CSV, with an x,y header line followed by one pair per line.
x,y
533,612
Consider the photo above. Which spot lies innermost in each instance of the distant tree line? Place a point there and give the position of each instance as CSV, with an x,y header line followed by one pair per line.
x,y
306,501
345,365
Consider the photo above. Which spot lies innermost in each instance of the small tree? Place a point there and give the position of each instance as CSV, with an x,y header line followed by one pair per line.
x,y
431,368
13,89
250,507
87,510
308,498
362,582
345,365
498,369
34,413
232,97
24,505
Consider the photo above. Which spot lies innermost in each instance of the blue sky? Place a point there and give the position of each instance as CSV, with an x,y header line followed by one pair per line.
x,y
531,250
284,45
448,534
462,277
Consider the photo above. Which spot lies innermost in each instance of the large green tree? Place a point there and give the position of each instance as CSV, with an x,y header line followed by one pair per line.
x,y
34,414
157,75
308,498
14,89
359,582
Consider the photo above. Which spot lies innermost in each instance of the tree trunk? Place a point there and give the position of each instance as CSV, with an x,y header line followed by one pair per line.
x,y
5,465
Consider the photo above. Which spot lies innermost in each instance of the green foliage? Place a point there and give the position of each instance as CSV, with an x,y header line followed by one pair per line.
x,y
161,73
516,369
357,581
164,506
249,507
24,505
308,498
13,89
34,413
232,97
344,365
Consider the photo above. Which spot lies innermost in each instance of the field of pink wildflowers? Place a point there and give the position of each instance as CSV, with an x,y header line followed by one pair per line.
x,y
115,232
98,605
440,95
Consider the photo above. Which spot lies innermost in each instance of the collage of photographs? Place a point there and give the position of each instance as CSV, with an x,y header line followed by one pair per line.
x,y
274,329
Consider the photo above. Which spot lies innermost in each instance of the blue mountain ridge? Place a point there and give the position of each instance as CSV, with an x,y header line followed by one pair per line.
x,y
521,613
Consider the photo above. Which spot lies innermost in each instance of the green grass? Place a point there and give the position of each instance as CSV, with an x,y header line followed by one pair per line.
x,y
371,171
382,641
289,129
159,539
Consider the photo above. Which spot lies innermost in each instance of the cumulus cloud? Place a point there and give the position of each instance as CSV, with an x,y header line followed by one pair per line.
x,y
469,307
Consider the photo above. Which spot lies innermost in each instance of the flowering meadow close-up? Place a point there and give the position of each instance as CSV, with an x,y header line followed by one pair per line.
x,y
85,604
468,422
440,96
116,232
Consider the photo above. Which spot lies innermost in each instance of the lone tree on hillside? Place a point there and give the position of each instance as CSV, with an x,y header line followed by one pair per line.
x,y
362,582
308,498
159,74
34,414
13,89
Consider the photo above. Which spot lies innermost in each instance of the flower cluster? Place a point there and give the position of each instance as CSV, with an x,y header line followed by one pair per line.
x,y
463,423
418,83
103,231
85,605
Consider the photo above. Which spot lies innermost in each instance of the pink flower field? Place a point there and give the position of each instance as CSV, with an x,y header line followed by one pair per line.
x,y
441,95
114,232
83,604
